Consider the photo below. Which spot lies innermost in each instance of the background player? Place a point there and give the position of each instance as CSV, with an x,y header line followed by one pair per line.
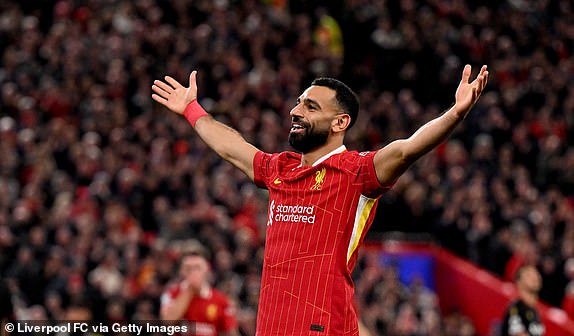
x,y
193,299
321,202
521,317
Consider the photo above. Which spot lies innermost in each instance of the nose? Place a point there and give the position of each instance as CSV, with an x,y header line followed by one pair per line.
x,y
296,111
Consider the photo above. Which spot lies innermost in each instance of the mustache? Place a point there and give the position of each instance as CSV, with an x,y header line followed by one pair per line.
x,y
300,121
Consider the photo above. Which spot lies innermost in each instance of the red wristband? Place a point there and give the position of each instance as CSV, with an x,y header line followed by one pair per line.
x,y
193,111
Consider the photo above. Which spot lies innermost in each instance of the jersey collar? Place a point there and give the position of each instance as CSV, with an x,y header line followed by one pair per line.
x,y
337,150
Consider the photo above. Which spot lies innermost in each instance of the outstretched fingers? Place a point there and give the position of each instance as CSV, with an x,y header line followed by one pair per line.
x,y
160,91
482,79
163,86
175,84
484,72
159,99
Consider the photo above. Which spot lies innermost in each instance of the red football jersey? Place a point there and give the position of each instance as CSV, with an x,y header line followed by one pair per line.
x,y
210,312
318,216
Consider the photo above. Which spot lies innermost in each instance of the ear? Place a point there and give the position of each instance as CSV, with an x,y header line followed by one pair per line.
x,y
341,122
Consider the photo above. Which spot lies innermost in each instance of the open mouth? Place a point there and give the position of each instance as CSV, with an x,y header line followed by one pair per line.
x,y
297,128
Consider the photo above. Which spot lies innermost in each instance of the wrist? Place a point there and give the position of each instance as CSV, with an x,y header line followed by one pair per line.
x,y
458,113
193,112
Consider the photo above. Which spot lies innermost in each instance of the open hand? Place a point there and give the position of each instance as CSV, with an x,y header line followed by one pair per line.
x,y
173,95
467,94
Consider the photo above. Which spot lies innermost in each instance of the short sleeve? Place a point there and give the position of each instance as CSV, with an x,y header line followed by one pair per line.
x,y
262,169
372,188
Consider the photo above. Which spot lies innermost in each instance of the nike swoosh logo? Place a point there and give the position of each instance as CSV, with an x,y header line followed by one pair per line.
x,y
277,181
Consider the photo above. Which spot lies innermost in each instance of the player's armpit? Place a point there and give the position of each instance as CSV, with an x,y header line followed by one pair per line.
x,y
391,162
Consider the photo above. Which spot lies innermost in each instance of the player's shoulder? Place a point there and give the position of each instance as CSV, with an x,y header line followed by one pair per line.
x,y
353,158
282,157
282,161
288,156
356,154
219,297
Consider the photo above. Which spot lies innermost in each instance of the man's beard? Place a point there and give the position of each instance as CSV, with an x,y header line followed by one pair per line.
x,y
308,140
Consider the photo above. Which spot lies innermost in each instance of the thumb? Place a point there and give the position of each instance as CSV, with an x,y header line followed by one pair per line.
x,y
192,91
193,79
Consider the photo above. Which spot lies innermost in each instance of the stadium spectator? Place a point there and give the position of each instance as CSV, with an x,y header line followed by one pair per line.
x,y
389,307
568,301
521,317
7,311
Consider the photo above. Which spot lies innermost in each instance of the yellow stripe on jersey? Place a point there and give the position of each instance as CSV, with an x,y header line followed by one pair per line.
x,y
361,216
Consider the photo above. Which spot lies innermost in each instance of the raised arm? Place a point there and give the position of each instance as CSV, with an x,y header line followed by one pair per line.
x,y
224,140
392,160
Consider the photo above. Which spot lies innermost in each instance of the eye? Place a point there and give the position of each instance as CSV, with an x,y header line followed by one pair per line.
x,y
311,106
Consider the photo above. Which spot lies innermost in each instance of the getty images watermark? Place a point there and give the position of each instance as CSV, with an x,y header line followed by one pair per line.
x,y
86,328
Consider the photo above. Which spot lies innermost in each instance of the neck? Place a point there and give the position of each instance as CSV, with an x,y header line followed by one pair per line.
x,y
308,159
529,298
204,290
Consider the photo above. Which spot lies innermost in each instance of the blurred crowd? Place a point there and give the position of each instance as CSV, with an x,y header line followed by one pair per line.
x,y
389,306
100,188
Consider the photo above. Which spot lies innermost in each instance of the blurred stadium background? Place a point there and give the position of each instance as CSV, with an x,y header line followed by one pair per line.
x,y
100,188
